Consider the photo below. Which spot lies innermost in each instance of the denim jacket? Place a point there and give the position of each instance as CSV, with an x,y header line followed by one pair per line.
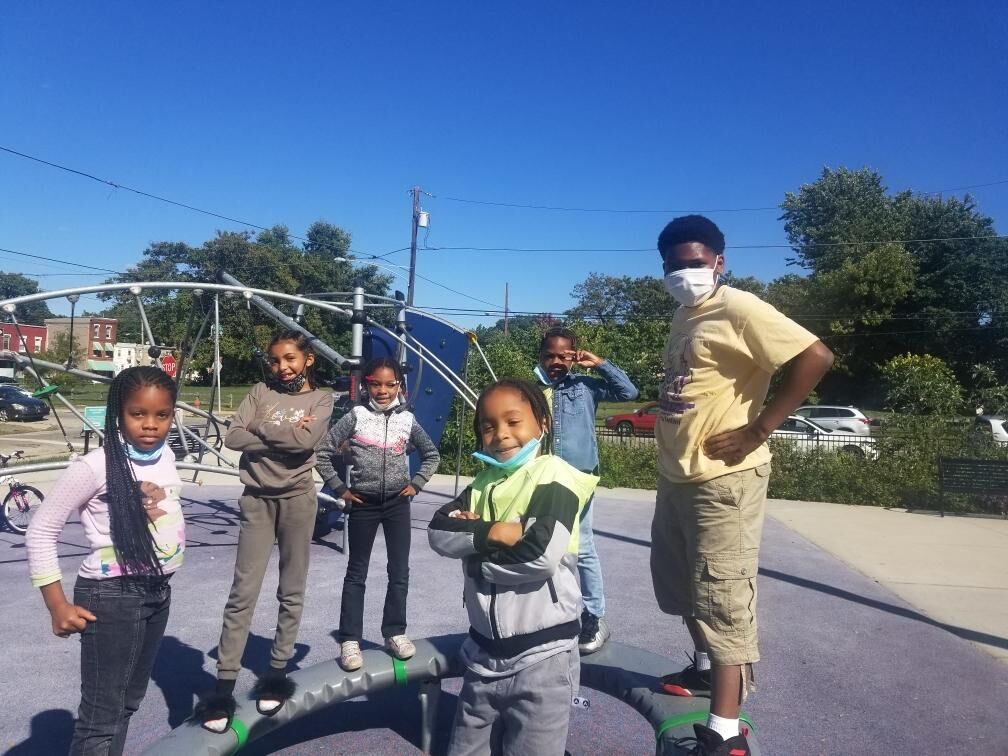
x,y
574,401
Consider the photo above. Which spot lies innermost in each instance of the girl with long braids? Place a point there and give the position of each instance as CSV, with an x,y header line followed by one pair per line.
x,y
276,429
126,494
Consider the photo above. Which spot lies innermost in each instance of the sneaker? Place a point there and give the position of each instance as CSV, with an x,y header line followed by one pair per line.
x,y
709,743
688,682
350,656
594,633
400,646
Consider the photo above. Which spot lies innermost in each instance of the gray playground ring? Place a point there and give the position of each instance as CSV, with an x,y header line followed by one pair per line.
x,y
623,672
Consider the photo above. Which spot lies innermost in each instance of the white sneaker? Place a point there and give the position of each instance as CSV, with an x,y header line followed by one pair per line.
x,y
400,646
350,656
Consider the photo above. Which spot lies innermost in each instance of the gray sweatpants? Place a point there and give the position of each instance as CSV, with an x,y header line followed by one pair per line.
x,y
525,714
290,522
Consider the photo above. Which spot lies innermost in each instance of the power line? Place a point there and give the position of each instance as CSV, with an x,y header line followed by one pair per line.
x,y
150,195
969,186
57,260
526,206
934,240
602,209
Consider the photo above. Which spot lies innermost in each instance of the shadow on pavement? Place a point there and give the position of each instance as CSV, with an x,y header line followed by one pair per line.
x,y
963,632
51,732
396,710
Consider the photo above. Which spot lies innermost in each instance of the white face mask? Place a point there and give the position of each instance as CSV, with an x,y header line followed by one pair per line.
x,y
691,287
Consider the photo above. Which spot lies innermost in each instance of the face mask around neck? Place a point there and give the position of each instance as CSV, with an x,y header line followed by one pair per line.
x,y
527,453
293,386
143,456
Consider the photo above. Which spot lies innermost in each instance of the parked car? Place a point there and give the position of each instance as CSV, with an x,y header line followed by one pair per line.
x,y
837,418
808,436
17,403
640,422
991,428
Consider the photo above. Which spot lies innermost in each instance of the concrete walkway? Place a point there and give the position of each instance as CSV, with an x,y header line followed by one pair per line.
x,y
953,569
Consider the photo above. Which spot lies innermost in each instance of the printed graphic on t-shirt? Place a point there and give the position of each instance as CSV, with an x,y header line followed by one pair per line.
x,y
168,528
284,415
679,361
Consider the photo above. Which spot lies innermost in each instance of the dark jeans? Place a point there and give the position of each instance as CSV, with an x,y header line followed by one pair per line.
x,y
363,521
117,656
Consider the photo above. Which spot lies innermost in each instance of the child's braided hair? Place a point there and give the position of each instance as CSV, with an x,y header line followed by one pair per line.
x,y
131,536
531,394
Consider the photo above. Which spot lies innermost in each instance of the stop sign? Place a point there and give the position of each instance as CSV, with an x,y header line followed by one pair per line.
x,y
169,364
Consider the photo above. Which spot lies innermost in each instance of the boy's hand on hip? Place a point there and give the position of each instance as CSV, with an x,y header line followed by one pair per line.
x,y
459,514
69,619
505,533
734,446
408,490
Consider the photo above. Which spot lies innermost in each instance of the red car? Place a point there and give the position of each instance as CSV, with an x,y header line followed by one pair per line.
x,y
639,422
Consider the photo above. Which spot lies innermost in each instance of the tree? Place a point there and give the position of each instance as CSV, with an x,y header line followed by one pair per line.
x,y
895,273
747,283
921,384
987,391
612,299
18,285
268,261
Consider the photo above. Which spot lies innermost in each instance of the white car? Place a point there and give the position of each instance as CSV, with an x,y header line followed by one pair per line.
x,y
836,418
991,428
807,436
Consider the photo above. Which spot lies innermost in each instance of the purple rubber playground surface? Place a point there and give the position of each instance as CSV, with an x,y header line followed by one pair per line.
x,y
847,666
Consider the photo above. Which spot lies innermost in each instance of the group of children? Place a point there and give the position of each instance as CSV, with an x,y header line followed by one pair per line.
x,y
522,529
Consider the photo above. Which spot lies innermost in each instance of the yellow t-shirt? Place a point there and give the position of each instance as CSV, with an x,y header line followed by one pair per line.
x,y
719,358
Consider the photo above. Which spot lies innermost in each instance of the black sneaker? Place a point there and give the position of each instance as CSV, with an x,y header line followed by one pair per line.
x,y
709,743
594,633
688,682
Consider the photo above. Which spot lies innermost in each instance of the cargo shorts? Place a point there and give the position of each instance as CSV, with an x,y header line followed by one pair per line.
x,y
705,540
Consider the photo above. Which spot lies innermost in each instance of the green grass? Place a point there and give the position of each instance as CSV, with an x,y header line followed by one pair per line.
x,y
94,394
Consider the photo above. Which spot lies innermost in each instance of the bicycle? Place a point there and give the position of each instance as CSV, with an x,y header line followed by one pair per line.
x,y
20,504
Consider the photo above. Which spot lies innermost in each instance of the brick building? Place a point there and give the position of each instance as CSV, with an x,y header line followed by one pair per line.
x,y
35,335
93,338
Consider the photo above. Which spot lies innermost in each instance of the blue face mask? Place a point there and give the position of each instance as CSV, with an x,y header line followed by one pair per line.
x,y
526,453
143,456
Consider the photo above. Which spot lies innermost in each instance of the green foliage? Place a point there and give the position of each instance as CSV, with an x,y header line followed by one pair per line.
x,y
987,391
17,285
904,475
616,299
268,261
628,464
921,384
892,274
58,350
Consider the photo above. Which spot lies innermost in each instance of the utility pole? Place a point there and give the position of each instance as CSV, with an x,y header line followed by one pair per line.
x,y
412,260
505,309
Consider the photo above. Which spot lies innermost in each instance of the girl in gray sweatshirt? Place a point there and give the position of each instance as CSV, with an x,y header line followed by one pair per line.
x,y
380,435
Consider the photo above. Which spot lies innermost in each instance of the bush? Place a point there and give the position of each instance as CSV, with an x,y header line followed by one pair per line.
x,y
921,384
905,474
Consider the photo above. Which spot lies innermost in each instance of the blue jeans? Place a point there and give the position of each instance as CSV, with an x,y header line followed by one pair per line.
x,y
589,568
117,656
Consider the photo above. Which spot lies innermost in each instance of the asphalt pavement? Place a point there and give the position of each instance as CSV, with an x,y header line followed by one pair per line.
x,y
880,631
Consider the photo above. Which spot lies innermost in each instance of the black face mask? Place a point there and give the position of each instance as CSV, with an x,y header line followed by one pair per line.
x,y
293,386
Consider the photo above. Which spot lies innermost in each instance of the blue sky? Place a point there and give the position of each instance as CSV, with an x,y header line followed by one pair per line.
x,y
289,113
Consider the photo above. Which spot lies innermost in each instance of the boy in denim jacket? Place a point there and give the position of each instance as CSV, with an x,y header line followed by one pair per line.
x,y
573,399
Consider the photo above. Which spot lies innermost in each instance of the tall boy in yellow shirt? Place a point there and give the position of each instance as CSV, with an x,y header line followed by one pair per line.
x,y
713,463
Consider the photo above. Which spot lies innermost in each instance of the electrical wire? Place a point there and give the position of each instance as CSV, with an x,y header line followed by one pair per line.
x,y
57,260
933,240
